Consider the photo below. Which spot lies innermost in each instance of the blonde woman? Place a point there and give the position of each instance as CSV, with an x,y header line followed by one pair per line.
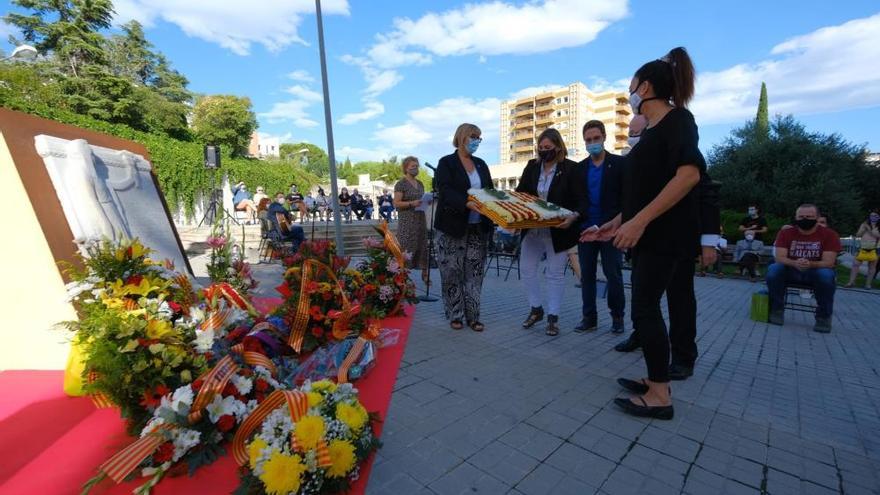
x,y
412,229
462,232
869,234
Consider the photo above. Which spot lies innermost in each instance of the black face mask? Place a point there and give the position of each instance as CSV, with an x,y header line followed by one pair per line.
x,y
805,223
547,155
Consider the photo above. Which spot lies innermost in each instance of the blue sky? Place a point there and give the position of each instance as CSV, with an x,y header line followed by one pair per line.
x,y
403,75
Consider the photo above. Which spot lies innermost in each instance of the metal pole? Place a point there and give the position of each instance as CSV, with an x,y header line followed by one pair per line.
x,y
334,190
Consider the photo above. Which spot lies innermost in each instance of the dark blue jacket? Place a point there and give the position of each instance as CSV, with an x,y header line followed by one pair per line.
x,y
609,200
452,183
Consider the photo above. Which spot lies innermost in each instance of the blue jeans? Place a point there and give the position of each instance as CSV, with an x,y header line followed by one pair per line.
x,y
822,280
611,262
385,211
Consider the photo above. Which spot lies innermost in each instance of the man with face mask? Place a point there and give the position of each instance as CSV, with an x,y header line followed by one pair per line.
x,y
600,173
805,255
748,254
754,221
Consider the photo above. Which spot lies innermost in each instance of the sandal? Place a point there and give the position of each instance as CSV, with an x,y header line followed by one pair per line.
x,y
636,387
477,326
644,410
456,324
552,327
536,315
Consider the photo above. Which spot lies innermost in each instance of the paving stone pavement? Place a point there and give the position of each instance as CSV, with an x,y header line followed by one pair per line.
x,y
774,410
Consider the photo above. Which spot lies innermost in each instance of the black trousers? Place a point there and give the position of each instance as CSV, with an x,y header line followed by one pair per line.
x,y
654,274
748,263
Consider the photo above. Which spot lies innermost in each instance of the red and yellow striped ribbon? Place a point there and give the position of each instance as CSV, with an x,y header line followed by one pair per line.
x,y
393,246
231,295
126,460
301,319
297,403
216,320
254,358
212,384
100,400
370,333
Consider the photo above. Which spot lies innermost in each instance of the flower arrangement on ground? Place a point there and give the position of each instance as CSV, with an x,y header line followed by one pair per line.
x,y
138,328
227,264
308,441
381,280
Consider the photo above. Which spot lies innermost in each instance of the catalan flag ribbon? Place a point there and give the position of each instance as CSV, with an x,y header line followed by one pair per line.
x,y
297,404
213,382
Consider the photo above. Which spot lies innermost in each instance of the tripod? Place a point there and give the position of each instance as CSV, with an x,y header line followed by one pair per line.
x,y
214,205
427,297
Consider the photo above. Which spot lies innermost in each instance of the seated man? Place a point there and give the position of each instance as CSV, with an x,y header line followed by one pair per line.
x,y
357,204
367,205
748,254
805,254
282,221
386,205
241,200
295,198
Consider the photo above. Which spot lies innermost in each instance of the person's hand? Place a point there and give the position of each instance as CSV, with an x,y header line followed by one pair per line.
x,y
567,222
709,256
589,234
607,231
802,264
628,234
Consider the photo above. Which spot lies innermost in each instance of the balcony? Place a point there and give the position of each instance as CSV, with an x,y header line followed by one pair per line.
x,y
523,125
521,112
543,108
524,149
543,121
544,97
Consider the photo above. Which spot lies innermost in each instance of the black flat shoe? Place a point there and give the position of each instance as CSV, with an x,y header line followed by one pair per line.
x,y
680,371
636,387
628,345
644,411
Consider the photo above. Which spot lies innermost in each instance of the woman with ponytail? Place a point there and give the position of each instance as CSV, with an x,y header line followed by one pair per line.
x,y
660,223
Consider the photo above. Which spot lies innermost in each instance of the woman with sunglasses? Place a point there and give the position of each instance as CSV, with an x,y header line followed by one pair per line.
x,y
463,233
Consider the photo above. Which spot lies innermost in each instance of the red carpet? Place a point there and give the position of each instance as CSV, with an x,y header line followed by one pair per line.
x,y
52,444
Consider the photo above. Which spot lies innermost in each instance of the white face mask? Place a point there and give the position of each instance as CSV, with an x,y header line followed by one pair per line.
x,y
632,141
750,237
280,201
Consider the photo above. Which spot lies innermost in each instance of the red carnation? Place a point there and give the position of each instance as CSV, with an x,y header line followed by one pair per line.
x,y
381,278
229,389
163,453
261,385
152,398
134,280
177,308
317,331
197,385
315,313
226,423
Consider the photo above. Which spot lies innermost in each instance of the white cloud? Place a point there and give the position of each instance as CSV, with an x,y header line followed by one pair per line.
x,y
830,69
232,24
289,111
494,28
372,109
301,76
427,132
7,30
287,137
600,85
356,154
304,93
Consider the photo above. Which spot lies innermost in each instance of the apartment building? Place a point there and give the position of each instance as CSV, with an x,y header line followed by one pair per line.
x,y
567,110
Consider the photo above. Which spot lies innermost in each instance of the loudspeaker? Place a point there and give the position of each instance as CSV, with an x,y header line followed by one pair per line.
x,y
212,156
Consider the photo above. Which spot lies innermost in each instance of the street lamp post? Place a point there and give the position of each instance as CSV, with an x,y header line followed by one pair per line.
x,y
337,217
22,52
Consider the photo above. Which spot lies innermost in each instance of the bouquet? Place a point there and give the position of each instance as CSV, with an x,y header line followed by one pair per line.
x,y
138,329
226,263
380,281
308,441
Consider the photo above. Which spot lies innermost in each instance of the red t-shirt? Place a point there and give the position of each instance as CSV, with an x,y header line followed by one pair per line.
x,y
809,246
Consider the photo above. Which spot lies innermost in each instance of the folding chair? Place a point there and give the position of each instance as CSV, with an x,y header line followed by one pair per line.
x,y
793,291
511,259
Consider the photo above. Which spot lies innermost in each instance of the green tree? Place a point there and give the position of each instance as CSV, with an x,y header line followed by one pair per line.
x,y
101,95
130,55
763,117
792,166
224,120
69,29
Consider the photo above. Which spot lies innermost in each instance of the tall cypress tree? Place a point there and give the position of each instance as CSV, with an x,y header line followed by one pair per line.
x,y
763,118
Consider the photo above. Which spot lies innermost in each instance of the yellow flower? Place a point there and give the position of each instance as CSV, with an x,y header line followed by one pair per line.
x,y
282,473
343,458
352,415
113,302
315,399
159,329
324,385
309,430
254,450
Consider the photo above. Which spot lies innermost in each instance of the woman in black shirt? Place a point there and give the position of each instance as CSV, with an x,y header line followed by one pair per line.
x,y
345,204
660,216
